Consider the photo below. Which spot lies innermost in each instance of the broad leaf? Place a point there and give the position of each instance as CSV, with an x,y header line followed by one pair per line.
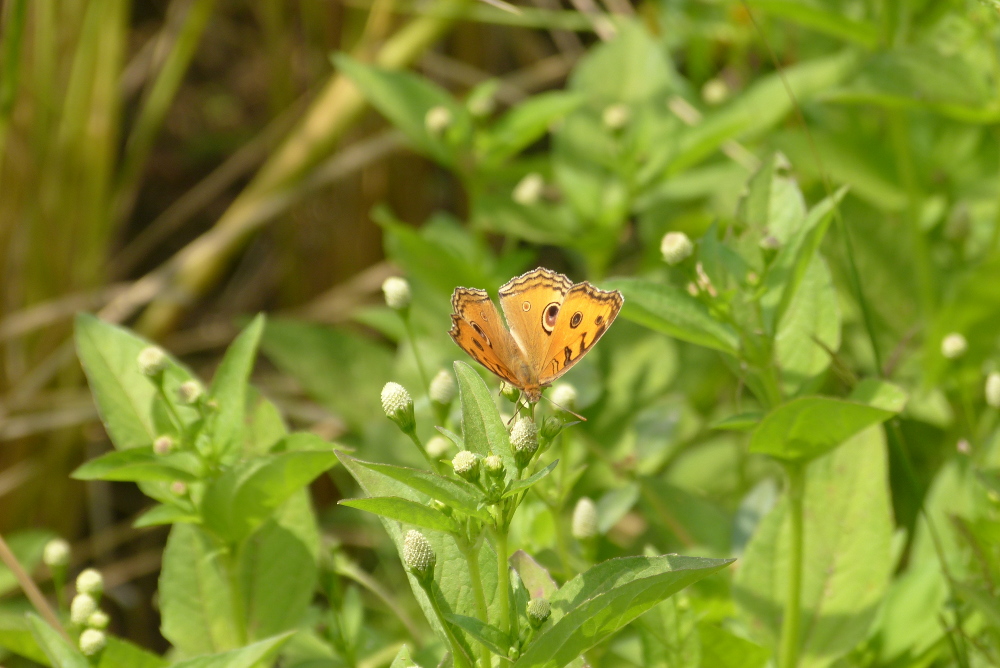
x,y
525,124
118,653
482,429
138,464
16,636
229,390
535,578
596,604
404,510
245,657
58,650
445,490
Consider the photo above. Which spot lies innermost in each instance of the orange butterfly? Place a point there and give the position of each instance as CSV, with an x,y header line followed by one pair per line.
x,y
553,323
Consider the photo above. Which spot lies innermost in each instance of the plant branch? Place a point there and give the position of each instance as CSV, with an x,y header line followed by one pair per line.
x,y
789,650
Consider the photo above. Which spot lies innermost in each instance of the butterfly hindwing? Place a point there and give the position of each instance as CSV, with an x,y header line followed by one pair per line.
x,y
585,314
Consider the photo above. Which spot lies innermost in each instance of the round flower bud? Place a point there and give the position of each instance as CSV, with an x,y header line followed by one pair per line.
x,y
675,247
563,395
551,427
163,445
98,620
715,91
189,392
954,346
178,488
494,466
437,446
993,390
616,116
152,361
584,519
538,611
92,642
56,553
443,388
509,392
963,446
466,464
529,189
524,440
397,292
81,608
90,581
437,120
418,554
398,406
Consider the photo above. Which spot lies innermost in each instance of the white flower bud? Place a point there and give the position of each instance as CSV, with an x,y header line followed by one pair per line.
x,y
494,466
524,436
178,488
616,116
397,292
584,519
551,426
529,189
954,346
90,581
993,390
538,611
563,395
715,91
963,446
437,447
56,553
398,406
81,608
675,247
418,554
92,642
98,620
152,361
437,120
466,464
163,445
443,388
190,392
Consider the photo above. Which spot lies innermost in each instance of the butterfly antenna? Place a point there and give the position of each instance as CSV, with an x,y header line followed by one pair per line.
x,y
563,408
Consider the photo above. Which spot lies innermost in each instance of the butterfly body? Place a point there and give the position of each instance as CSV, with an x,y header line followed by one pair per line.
x,y
553,323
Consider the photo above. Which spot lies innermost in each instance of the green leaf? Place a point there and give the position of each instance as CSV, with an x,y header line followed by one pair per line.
x,y
124,396
239,500
482,429
632,67
596,604
881,394
250,656
118,653
229,390
537,581
402,659
277,567
830,22
808,427
404,510
28,545
59,651
739,422
133,465
166,513
493,638
16,636
722,649
666,309
438,487
525,124
196,598
847,557
522,485
405,98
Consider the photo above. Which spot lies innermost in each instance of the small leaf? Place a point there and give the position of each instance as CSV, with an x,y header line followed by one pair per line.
x,y
664,308
482,428
808,427
402,659
404,510
59,651
522,485
118,653
525,124
16,636
244,657
533,575
880,394
453,437
493,638
438,487
132,465
739,422
165,513
229,389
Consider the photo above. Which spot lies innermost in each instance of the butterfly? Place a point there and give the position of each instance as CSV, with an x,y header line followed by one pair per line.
x,y
553,323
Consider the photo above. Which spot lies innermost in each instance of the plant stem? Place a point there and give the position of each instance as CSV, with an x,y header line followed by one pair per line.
x,y
472,561
458,654
503,578
405,315
789,651
30,588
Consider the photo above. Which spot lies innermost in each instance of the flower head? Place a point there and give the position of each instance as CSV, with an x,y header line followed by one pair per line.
x,y
189,392
397,292
81,608
584,519
163,445
993,390
443,388
529,189
437,446
494,466
466,464
715,91
675,247
152,361
90,581
56,553
92,641
524,440
538,611
398,406
98,620
418,554
616,116
437,120
954,346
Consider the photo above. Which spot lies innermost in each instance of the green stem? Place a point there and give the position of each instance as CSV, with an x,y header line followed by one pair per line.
x,y
503,578
789,650
239,610
472,561
459,658
420,446
416,353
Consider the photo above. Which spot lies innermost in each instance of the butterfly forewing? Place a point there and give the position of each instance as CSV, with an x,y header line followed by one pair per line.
x,y
477,329
531,304
585,315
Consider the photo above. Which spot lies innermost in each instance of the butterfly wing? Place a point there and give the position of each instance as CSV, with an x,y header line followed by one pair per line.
x,y
477,329
531,303
585,314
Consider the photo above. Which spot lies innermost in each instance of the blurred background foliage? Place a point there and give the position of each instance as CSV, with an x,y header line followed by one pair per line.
x,y
178,165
